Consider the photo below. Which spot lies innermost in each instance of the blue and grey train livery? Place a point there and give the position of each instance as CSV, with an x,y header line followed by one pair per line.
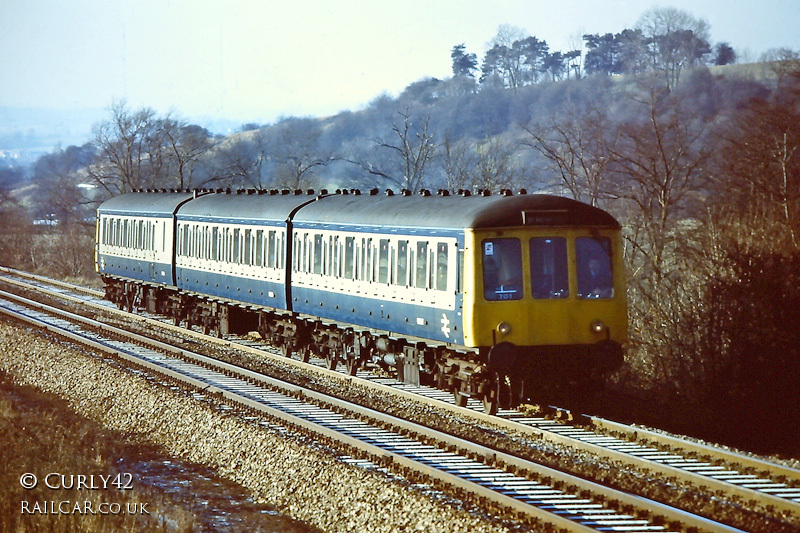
x,y
492,296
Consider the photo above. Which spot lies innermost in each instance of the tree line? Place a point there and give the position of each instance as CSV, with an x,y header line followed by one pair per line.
x,y
702,169
664,40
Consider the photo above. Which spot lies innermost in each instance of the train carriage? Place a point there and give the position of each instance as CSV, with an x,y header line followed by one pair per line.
x,y
382,262
233,246
135,242
497,297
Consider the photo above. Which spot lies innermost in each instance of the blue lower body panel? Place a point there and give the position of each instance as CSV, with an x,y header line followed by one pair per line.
x,y
247,290
146,271
396,316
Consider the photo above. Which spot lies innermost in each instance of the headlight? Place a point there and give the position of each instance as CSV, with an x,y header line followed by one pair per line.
x,y
598,326
504,328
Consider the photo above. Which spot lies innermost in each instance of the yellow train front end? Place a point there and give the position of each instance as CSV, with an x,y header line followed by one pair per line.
x,y
546,306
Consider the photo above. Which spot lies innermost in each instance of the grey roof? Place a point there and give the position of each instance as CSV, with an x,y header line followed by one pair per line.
x,y
245,207
414,211
454,211
151,204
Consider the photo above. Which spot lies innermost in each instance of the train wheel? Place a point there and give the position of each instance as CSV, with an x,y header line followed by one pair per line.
x,y
305,353
286,349
331,359
496,395
441,379
458,394
353,364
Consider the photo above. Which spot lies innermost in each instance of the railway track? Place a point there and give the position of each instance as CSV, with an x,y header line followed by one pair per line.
x,y
499,480
752,480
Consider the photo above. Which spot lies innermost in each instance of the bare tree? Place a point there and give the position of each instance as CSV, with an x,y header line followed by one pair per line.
x,y
58,177
294,148
188,144
458,163
16,238
578,146
760,167
240,161
659,164
412,149
658,175
494,163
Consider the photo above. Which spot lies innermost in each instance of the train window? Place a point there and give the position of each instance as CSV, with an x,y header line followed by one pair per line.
x,y
502,269
215,244
259,247
335,250
318,254
441,266
383,261
595,276
549,274
298,250
179,244
236,246
349,257
191,240
248,247
280,255
271,255
365,273
422,265
401,276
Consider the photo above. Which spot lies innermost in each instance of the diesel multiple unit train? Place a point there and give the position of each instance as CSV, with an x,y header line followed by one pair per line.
x,y
497,297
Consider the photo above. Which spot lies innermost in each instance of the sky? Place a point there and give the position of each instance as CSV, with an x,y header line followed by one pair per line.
x,y
259,60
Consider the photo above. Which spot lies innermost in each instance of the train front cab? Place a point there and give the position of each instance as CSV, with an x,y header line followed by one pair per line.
x,y
547,309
